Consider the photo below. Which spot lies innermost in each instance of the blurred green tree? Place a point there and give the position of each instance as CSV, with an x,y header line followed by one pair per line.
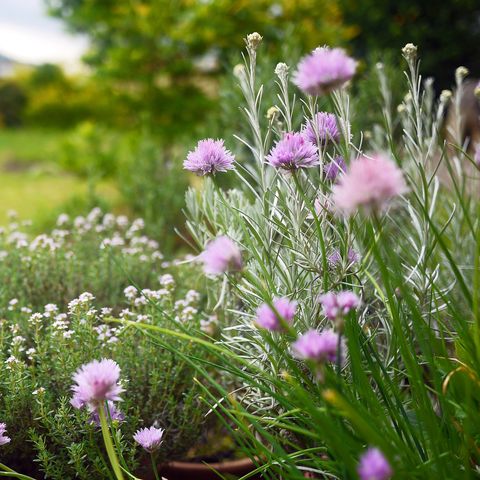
x,y
163,57
12,103
47,74
446,32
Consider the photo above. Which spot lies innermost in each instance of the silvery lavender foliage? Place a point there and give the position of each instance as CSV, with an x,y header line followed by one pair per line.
x,y
273,219
288,225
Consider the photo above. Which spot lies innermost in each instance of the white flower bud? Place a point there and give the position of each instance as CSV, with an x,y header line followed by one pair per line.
x,y
461,73
281,70
253,40
239,70
410,51
445,96
477,90
272,113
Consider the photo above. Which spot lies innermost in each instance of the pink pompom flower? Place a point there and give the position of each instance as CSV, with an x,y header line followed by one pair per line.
x,y
95,383
324,70
149,438
325,125
374,466
292,152
267,317
209,157
370,182
4,439
220,256
334,168
320,347
338,304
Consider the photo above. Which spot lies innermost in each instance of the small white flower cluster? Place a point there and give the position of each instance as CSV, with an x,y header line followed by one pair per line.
x,y
39,391
105,230
12,304
167,281
146,296
18,239
51,329
11,362
17,345
106,334
185,309
31,353
130,292
36,320
50,310
80,304
44,242
61,326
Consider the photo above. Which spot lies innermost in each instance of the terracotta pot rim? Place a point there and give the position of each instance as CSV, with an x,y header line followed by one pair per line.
x,y
229,466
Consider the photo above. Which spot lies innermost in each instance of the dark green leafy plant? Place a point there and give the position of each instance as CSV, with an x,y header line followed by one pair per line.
x,y
40,351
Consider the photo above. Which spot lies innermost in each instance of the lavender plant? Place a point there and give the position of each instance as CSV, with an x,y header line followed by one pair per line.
x,y
352,306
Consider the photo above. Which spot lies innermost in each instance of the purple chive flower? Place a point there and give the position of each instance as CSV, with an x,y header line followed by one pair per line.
x,y
209,157
338,304
317,346
370,182
96,382
221,255
325,125
347,301
324,70
374,466
292,152
353,256
329,304
149,438
335,258
113,413
268,319
3,437
334,168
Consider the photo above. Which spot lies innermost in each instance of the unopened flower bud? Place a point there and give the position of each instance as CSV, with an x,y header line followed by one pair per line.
x,y
461,73
281,70
401,108
409,51
239,70
254,40
445,96
477,90
272,113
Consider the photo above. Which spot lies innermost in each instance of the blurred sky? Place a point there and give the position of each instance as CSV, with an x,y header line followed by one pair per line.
x,y
29,35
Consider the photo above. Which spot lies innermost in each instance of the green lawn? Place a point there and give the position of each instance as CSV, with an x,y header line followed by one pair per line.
x,y
31,181
28,145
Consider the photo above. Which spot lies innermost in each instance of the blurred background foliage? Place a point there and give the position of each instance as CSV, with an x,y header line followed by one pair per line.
x,y
158,78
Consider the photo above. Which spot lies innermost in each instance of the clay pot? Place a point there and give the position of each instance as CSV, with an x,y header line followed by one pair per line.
x,y
203,471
